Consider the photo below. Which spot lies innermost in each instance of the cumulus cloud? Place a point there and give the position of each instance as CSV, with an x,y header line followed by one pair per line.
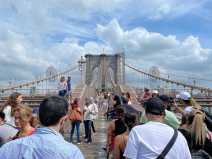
x,y
21,59
37,34
15,61
157,49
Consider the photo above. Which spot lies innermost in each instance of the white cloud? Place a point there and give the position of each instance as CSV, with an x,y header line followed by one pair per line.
x,y
150,48
23,60
164,9
36,34
16,54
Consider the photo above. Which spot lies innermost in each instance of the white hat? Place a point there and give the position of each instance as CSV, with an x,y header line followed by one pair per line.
x,y
183,96
155,91
188,109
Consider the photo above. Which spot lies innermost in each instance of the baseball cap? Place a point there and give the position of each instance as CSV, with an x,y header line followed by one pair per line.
x,y
164,98
183,96
154,106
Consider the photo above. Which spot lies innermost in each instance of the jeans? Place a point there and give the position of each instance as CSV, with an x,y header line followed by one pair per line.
x,y
62,93
88,130
92,126
77,124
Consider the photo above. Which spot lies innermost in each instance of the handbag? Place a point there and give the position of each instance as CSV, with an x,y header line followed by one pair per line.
x,y
168,146
75,116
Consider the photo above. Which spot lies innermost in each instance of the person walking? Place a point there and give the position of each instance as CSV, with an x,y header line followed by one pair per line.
x,y
76,119
89,111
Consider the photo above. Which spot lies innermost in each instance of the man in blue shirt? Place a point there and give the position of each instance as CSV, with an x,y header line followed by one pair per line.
x,y
46,142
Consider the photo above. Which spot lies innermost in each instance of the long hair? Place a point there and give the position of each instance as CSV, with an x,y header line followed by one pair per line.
x,y
130,120
25,113
198,128
62,79
12,100
128,96
75,103
195,104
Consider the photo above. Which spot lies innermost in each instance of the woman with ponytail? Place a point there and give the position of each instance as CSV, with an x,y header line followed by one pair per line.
x,y
196,132
200,138
121,140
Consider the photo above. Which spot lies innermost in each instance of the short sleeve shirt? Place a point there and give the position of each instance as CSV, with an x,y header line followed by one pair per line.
x,y
147,141
45,143
171,120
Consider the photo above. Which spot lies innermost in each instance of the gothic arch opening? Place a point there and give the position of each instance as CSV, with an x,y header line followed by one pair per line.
x,y
105,71
95,78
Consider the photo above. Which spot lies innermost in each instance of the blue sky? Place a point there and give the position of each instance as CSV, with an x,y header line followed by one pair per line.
x,y
174,35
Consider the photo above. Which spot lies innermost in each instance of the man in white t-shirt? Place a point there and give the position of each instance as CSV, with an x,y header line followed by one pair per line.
x,y
147,141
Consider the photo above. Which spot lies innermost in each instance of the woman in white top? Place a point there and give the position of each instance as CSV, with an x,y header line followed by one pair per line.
x,y
62,87
13,102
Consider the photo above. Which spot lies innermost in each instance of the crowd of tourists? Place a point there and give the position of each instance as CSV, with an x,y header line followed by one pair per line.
x,y
23,136
162,130
87,116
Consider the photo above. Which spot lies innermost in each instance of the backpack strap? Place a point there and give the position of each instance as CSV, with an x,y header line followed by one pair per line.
x,y
11,125
168,146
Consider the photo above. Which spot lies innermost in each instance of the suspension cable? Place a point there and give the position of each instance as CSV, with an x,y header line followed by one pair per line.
x,y
168,80
33,82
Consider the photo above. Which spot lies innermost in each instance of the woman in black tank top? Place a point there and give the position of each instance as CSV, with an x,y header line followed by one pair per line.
x,y
121,139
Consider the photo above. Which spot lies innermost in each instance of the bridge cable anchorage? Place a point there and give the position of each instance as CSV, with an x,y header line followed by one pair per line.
x,y
33,82
170,81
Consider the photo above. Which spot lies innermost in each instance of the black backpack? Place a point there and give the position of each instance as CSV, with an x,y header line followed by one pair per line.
x,y
200,154
120,127
208,120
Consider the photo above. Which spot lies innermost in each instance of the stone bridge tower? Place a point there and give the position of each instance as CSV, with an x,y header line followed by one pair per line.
x,y
105,63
